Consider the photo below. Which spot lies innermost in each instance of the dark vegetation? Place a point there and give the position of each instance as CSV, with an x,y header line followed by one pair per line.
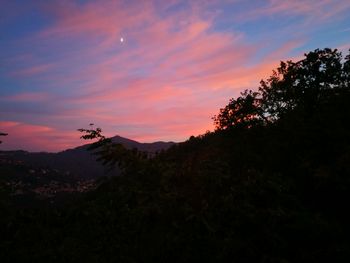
x,y
79,162
271,184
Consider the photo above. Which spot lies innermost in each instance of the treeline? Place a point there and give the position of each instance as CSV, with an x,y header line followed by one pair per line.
x,y
271,184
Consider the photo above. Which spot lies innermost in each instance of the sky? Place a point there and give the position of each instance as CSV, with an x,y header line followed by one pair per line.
x,y
63,64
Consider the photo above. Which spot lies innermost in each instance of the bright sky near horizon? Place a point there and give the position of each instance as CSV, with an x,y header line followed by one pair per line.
x,y
146,70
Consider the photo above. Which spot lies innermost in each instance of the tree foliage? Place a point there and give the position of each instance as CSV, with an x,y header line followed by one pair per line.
x,y
271,184
245,111
112,154
301,86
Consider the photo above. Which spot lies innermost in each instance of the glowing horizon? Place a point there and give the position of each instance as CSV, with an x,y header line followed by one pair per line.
x,y
145,70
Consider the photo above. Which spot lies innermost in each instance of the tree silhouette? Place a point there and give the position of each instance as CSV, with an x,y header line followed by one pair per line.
x,y
271,184
301,87
112,154
245,111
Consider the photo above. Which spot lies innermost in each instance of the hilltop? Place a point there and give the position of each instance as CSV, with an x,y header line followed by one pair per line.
x,y
79,162
270,184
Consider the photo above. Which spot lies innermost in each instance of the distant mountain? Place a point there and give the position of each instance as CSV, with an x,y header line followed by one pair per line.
x,y
79,162
130,144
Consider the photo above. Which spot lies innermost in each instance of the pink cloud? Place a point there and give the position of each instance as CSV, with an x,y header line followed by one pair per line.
x,y
31,71
344,49
322,9
95,19
27,97
165,82
314,11
36,137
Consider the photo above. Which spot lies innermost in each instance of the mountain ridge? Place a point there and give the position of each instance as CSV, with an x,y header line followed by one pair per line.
x,y
79,161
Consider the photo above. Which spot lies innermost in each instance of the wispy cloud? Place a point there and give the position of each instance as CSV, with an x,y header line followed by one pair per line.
x,y
180,62
34,137
317,10
31,71
26,97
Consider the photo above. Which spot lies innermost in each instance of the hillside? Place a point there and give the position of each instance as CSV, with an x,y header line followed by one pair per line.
x,y
270,184
79,162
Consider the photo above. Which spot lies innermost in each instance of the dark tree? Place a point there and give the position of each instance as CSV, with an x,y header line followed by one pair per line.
x,y
245,111
112,154
301,86
271,184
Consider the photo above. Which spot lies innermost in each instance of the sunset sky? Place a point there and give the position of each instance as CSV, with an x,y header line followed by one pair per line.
x,y
63,64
